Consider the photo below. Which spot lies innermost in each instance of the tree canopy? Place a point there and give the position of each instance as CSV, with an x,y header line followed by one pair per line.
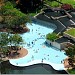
x,y
9,40
13,16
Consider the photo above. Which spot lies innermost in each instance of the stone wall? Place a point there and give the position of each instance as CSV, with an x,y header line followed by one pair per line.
x,y
55,44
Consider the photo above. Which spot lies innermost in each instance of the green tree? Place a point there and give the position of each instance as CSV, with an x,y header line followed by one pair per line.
x,y
4,42
3,39
7,5
15,39
13,16
70,52
7,40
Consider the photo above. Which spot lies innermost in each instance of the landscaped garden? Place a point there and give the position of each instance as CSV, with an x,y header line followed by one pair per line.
x,y
51,36
13,22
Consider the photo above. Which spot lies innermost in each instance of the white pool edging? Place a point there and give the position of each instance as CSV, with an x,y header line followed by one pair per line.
x,y
55,66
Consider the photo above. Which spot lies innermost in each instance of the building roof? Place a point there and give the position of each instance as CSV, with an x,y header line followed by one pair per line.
x,y
64,39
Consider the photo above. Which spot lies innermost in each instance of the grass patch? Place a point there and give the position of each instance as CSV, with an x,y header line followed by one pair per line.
x,y
72,71
55,4
71,32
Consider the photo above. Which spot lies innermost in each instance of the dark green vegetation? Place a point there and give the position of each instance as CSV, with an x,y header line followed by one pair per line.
x,y
70,52
72,71
12,17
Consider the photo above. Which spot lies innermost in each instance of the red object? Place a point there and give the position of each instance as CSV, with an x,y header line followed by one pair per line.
x,y
66,6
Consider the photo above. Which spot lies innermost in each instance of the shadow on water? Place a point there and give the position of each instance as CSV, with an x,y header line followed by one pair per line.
x,y
46,44
50,46
7,68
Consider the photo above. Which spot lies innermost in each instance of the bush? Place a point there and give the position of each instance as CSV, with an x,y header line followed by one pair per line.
x,y
51,36
8,5
13,16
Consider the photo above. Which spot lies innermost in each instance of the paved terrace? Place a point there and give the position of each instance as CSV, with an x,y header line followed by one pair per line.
x,y
66,21
73,17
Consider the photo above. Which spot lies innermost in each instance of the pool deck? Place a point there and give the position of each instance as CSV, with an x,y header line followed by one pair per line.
x,y
61,23
60,27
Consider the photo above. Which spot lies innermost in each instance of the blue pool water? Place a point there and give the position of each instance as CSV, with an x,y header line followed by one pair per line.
x,y
38,50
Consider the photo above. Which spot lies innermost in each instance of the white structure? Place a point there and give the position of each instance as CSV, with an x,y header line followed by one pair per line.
x,y
55,44
60,46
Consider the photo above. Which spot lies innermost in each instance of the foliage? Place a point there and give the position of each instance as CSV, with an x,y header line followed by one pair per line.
x,y
54,3
51,36
6,40
70,51
6,7
3,39
3,42
14,12
71,71
15,39
13,16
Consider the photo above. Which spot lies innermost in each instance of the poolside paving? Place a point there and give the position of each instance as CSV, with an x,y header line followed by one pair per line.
x,y
60,27
66,21
61,23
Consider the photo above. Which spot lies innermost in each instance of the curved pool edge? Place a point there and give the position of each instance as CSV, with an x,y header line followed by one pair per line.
x,y
54,65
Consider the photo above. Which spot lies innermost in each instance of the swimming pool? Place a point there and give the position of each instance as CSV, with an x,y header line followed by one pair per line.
x,y
38,50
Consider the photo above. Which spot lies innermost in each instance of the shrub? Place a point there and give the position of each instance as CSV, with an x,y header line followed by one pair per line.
x,y
51,36
8,5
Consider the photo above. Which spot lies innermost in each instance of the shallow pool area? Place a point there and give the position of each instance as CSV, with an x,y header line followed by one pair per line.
x,y
38,50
